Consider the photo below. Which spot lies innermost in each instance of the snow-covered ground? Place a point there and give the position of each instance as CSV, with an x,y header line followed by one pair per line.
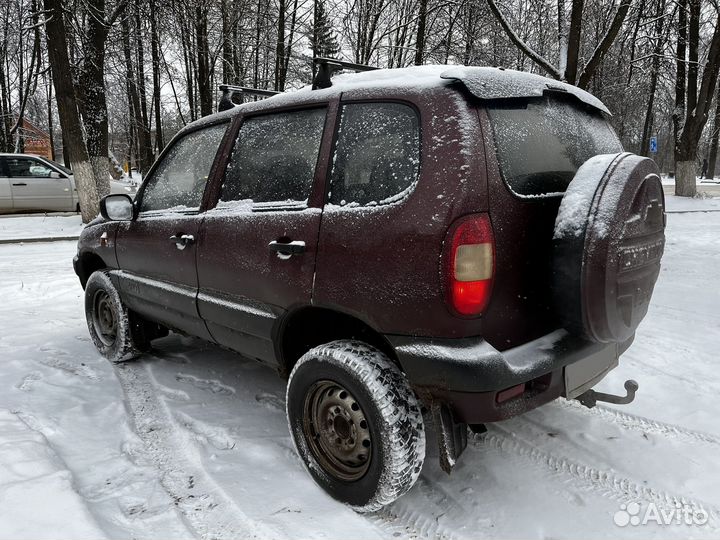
x,y
192,441
16,227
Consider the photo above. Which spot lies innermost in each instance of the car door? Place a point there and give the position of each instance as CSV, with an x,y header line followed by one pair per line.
x,y
5,193
256,256
36,186
156,251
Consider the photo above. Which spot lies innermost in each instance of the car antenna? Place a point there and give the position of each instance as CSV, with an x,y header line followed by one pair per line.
x,y
230,90
328,66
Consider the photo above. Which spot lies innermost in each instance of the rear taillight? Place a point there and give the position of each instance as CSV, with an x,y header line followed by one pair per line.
x,y
470,264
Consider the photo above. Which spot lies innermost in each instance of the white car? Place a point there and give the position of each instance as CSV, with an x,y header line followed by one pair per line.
x,y
31,183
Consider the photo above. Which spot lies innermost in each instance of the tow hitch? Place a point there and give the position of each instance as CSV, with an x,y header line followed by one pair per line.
x,y
591,397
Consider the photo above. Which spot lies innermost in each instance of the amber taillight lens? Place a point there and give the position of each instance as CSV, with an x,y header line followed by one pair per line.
x,y
470,264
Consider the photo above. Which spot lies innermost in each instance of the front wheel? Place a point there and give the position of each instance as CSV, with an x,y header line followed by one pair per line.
x,y
109,324
356,424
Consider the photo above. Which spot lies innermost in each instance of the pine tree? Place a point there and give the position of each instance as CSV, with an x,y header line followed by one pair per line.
x,y
323,40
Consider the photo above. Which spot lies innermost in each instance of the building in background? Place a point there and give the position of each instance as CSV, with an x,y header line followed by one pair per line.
x,y
35,140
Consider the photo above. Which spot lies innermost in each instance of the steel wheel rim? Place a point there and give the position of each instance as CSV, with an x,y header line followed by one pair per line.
x,y
104,320
337,431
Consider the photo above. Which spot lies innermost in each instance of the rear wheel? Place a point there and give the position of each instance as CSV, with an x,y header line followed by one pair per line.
x,y
108,320
356,424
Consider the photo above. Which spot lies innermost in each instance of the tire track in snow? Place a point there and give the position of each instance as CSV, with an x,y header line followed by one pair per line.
x,y
405,517
602,482
640,423
205,507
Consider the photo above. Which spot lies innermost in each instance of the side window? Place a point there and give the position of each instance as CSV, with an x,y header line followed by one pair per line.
x,y
274,158
26,167
377,155
179,179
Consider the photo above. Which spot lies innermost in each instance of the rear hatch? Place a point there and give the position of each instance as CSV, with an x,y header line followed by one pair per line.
x,y
539,144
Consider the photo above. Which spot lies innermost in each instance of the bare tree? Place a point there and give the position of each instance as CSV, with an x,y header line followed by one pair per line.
x,y
567,68
692,102
68,110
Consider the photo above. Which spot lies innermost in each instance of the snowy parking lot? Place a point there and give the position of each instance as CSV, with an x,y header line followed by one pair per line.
x,y
191,441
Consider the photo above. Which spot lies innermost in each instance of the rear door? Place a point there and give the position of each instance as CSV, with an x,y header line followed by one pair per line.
x,y
535,148
257,248
156,252
34,188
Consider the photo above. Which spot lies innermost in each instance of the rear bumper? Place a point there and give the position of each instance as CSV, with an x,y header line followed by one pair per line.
x,y
471,375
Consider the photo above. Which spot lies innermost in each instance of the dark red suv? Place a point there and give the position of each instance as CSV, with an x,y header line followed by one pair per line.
x,y
470,242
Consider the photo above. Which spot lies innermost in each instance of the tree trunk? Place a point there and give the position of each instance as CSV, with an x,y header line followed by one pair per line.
x,y
654,70
155,52
712,160
280,45
685,172
68,110
203,61
93,104
679,117
144,154
51,128
142,95
227,43
420,41
573,47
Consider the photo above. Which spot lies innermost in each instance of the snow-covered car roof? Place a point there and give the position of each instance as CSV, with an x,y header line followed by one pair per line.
x,y
485,83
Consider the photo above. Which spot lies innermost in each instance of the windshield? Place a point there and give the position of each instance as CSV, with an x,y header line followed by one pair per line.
x,y
63,168
541,143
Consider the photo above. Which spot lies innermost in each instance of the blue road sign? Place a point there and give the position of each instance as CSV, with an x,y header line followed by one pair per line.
x,y
653,145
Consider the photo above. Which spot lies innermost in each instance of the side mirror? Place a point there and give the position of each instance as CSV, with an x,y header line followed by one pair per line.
x,y
54,174
117,207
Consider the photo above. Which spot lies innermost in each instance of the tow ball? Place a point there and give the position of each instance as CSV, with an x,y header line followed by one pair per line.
x,y
591,397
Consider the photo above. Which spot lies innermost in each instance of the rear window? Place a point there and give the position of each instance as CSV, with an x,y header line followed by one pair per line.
x,y
541,143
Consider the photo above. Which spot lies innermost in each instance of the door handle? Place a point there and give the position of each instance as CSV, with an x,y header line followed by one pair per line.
x,y
20,184
287,249
182,241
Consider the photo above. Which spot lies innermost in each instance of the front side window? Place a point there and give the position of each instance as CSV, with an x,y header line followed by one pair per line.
x,y
377,155
27,168
274,158
541,144
178,182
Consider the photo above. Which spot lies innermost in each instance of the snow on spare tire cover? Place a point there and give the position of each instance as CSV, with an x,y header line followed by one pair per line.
x,y
608,241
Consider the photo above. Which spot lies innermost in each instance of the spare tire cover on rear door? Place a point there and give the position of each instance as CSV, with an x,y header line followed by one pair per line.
x,y
608,240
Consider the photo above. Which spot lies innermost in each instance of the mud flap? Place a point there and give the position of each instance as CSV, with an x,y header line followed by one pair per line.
x,y
452,435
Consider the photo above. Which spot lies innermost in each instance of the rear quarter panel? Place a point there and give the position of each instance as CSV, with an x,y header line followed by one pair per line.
x,y
382,264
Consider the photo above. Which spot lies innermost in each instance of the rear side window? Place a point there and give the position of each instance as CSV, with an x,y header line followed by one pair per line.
x,y
540,144
377,155
274,158
179,179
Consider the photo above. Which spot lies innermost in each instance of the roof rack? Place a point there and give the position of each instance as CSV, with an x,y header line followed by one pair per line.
x,y
230,90
328,66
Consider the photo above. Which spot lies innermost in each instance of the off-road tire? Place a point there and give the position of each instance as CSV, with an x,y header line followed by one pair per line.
x,y
124,346
397,440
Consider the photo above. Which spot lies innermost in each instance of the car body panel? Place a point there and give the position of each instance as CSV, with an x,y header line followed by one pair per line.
x,y
360,242
157,279
6,203
246,289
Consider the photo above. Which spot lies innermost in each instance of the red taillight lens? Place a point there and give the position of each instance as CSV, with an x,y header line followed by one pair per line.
x,y
470,264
